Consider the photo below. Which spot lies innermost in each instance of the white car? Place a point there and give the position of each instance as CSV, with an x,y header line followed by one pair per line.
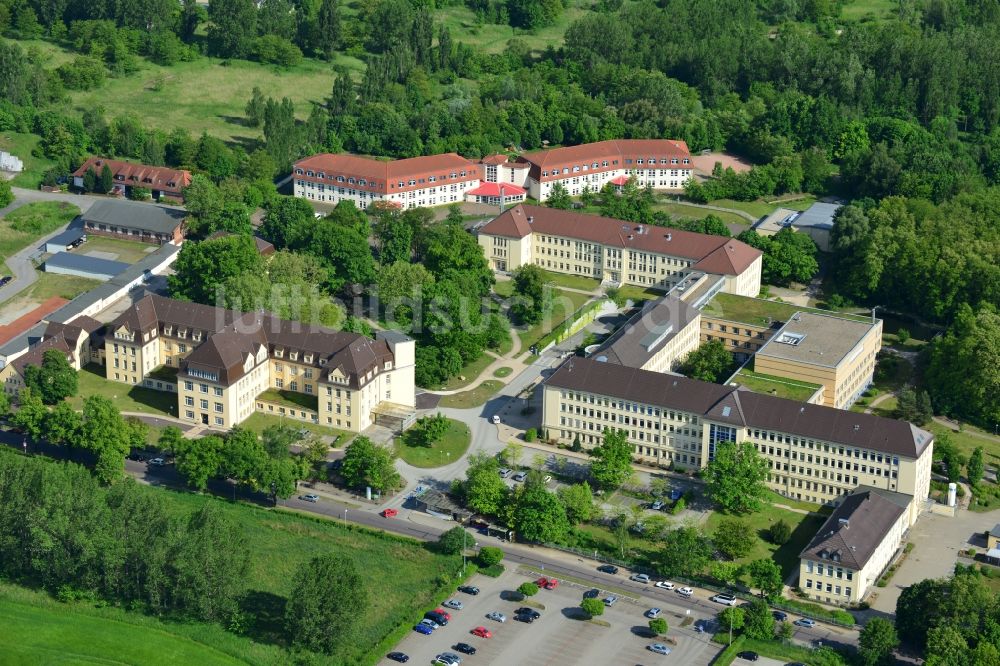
x,y
685,592
658,648
430,623
454,604
639,578
520,476
653,613
725,599
157,462
496,419
498,617
804,622
309,498
610,600
665,585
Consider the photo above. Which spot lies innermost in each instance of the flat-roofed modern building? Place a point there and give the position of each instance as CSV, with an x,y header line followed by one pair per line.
x,y
815,453
614,251
225,365
857,542
657,338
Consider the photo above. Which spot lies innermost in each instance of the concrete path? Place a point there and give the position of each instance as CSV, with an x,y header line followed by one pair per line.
x,y
735,211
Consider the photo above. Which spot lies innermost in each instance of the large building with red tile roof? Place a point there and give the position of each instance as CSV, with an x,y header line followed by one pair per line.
x,y
614,251
160,181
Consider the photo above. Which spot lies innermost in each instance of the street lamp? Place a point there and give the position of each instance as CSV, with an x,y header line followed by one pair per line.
x,y
24,444
345,515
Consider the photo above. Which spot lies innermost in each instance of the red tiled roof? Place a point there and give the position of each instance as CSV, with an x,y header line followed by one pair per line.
x,y
620,180
385,175
26,321
139,175
498,158
615,148
713,254
493,190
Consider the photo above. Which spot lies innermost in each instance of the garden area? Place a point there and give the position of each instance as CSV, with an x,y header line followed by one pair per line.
x,y
126,397
434,441
27,224
473,397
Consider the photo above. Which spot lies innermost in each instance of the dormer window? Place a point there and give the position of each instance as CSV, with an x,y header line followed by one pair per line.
x,y
307,358
387,365
196,336
182,333
278,353
294,356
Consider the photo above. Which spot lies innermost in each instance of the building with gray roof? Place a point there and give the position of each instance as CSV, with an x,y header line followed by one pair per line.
x,y
131,220
67,263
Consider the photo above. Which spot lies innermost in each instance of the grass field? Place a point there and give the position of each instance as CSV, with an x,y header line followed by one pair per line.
x,y
474,397
22,145
292,399
572,281
448,449
25,225
469,373
638,294
259,421
491,38
861,10
696,213
503,371
38,630
125,397
779,386
66,286
127,251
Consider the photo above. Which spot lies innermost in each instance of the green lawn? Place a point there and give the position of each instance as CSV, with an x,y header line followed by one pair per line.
x,y
787,555
779,386
491,38
126,398
504,288
39,630
52,284
448,449
292,399
32,221
469,373
571,281
696,213
165,373
755,208
22,145
861,10
760,312
259,421
127,251
564,304
503,371
639,294
474,397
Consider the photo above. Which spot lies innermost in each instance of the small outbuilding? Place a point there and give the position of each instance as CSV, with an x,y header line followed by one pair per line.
x,y
817,223
65,241
65,263
438,504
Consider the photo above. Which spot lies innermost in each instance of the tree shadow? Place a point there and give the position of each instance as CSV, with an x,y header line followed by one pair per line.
x,y
575,613
267,616
642,631
512,595
234,120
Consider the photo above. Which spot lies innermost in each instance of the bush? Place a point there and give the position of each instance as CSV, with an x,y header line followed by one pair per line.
x,y
902,335
658,626
490,555
908,547
277,51
528,589
83,73
592,607
779,533
678,506
494,571
139,194
453,541
530,435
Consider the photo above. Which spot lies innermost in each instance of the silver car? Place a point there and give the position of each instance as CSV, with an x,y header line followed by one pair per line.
x,y
498,617
658,648
454,604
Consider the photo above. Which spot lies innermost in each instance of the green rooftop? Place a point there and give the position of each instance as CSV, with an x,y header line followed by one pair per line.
x,y
292,399
759,312
778,386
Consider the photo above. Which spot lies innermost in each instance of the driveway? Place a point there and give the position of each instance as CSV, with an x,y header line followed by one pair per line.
x,y
20,263
937,541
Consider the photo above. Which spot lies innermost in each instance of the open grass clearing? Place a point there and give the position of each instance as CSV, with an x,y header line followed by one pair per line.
x,y
868,10
571,281
449,448
639,294
470,373
491,38
22,145
65,286
126,398
695,213
127,251
29,223
473,397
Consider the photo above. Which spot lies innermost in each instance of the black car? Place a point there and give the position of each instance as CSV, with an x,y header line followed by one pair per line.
x,y
592,594
398,656
779,616
469,589
436,617
528,611
524,617
608,569
464,648
5,279
749,655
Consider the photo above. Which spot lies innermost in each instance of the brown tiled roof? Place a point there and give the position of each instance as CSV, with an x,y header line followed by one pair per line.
x,y
34,356
745,408
385,175
712,254
869,516
139,175
615,148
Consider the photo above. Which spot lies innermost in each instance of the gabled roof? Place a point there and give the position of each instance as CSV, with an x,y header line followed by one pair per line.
x,y
139,175
488,189
853,532
80,262
647,332
35,354
135,215
719,255
384,170
588,152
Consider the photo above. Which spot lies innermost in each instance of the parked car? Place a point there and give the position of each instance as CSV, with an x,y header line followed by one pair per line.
x,y
610,600
523,617
653,613
5,279
531,612
608,569
424,629
749,655
444,660
546,478
520,476
464,648
442,612
389,513
482,632
469,589
547,583
685,592
658,648
699,627
657,505
665,585
496,418
675,494
401,657
592,593
496,616
805,622
309,498
430,623
454,604
639,578
504,473
157,462
725,599
779,616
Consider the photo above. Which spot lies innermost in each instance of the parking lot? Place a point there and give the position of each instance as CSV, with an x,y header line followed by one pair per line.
x,y
558,636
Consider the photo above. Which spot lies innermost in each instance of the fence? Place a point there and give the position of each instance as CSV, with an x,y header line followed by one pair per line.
x,y
583,315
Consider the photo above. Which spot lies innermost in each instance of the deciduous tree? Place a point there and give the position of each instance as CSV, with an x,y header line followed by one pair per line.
x,y
366,464
765,575
612,460
686,552
578,501
759,623
592,607
54,380
539,514
877,641
323,606
734,538
710,362
735,477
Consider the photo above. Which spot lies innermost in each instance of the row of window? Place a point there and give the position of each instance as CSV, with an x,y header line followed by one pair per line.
x,y
830,588
189,402
363,182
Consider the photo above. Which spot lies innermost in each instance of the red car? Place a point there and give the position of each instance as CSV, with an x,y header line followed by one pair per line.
x,y
482,632
547,583
389,513
444,613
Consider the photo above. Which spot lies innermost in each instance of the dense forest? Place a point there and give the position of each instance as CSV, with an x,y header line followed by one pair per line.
x,y
899,114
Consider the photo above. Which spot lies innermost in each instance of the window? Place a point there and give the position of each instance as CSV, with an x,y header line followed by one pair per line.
x,y
188,386
189,414
189,401
219,420
204,404
218,391
218,407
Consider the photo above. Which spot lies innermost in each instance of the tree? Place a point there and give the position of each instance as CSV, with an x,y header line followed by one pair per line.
x,y
530,299
323,606
394,235
328,28
490,556
592,607
54,380
725,572
232,28
612,464
877,641
366,464
6,194
759,622
732,618
734,538
528,589
779,533
104,432
578,501
974,468
559,198
963,374
686,552
765,575
106,182
735,478
453,541
202,268
31,413
429,430
198,460
658,626
512,454
539,515
946,646
483,489
710,362
62,424
951,457
90,180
